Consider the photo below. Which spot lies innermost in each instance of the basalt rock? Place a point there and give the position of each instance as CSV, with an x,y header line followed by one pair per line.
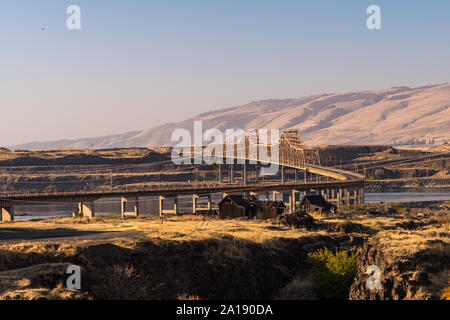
x,y
408,270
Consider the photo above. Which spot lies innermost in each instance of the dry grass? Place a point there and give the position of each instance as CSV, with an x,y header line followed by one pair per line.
x,y
31,283
188,227
232,236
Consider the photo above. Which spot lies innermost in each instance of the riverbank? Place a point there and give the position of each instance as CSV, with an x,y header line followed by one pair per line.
x,y
408,185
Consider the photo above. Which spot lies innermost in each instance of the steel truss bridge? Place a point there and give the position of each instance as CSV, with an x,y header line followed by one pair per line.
x,y
288,153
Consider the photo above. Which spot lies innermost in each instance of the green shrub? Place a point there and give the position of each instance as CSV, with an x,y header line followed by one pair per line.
x,y
333,273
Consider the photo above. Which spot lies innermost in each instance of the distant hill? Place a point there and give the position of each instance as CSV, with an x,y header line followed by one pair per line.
x,y
390,116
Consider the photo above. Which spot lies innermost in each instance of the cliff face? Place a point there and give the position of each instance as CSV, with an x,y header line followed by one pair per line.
x,y
413,264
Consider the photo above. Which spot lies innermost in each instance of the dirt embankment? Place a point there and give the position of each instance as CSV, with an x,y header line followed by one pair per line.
x,y
428,184
393,168
227,268
70,157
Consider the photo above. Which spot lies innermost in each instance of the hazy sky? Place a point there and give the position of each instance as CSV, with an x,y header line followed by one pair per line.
x,y
137,64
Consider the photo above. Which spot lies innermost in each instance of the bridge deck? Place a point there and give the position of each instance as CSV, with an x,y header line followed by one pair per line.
x,y
169,191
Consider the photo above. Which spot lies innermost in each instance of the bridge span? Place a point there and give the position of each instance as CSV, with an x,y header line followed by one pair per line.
x,y
337,186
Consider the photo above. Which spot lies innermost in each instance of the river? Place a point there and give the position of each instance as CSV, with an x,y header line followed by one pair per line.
x,y
389,197
148,205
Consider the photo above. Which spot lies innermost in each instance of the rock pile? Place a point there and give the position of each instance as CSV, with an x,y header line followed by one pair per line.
x,y
297,220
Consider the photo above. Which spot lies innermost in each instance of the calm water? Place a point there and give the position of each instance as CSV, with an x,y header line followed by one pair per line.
x,y
388,197
149,205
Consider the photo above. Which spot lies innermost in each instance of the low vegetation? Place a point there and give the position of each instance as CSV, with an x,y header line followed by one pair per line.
x,y
333,273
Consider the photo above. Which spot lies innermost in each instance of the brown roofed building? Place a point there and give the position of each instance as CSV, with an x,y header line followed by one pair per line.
x,y
317,205
235,206
271,209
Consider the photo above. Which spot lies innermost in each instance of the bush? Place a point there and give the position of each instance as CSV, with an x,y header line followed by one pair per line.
x,y
333,273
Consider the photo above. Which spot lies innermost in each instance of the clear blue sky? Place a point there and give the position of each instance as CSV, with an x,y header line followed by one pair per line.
x,y
137,64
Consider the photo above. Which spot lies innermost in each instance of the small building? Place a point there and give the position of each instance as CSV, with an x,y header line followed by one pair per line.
x,y
271,209
235,206
317,205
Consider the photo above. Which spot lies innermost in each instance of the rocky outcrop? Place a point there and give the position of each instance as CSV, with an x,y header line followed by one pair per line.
x,y
413,265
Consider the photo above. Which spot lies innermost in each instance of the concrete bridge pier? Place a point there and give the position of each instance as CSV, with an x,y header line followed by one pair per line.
x,y
86,209
175,205
347,196
274,195
174,210
209,205
220,172
135,212
231,173
161,205
194,203
7,213
244,172
361,194
292,194
195,198
355,195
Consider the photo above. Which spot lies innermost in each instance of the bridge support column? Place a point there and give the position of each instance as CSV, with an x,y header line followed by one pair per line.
x,y
175,205
135,212
209,202
274,195
292,201
305,177
86,209
161,205
296,175
220,172
194,203
244,172
361,194
231,173
282,174
256,173
7,213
